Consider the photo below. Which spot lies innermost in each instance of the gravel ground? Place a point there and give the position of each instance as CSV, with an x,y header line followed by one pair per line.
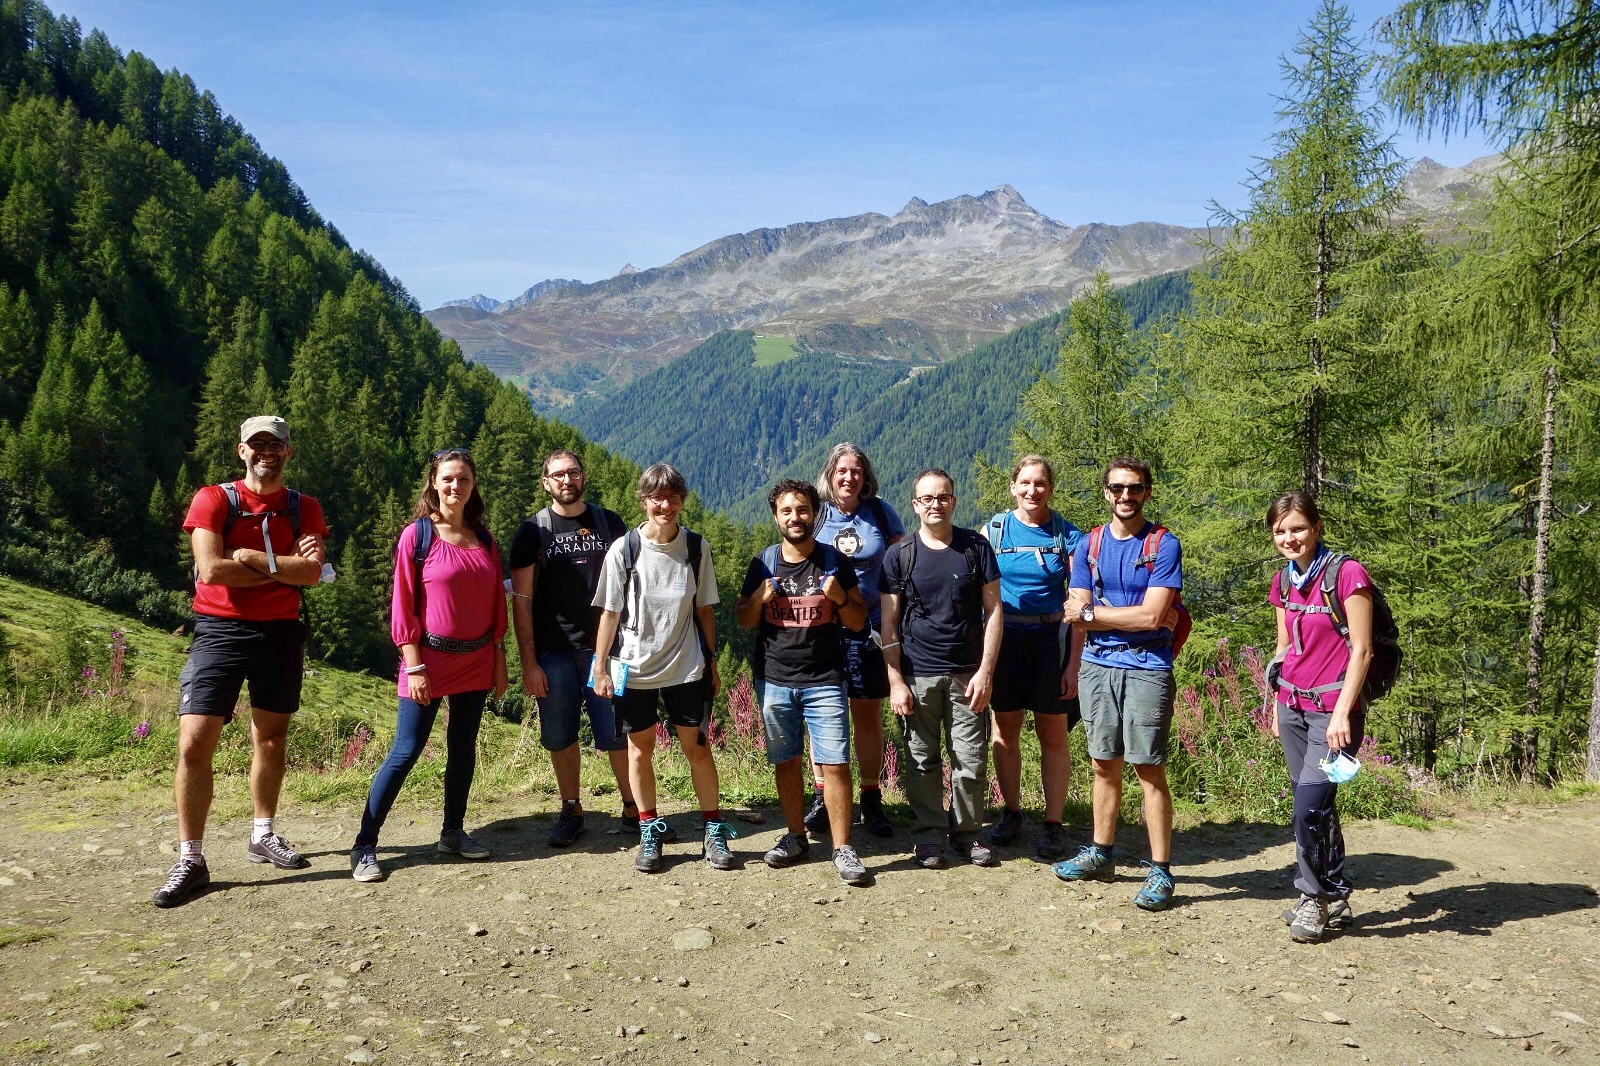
x,y
1474,942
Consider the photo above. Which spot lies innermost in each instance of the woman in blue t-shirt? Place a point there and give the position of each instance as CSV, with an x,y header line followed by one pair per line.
x,y
860,526
1033,546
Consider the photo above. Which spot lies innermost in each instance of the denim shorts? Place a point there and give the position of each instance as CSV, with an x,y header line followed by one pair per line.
x,y
823,711
568,698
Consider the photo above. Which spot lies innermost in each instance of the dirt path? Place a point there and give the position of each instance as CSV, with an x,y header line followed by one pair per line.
x,y
1476,942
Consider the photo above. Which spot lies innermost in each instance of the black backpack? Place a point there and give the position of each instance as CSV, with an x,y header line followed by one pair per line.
x,y
236,511
907,591
608,525
1384,670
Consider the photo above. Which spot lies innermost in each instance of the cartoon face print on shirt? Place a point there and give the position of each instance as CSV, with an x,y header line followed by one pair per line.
x,y
847,541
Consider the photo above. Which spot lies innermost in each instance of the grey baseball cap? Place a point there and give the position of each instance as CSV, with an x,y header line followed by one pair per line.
x,y
264,424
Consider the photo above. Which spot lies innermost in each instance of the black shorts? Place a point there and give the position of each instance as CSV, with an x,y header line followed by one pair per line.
x,y
866,678
227,652
1028,676
685,705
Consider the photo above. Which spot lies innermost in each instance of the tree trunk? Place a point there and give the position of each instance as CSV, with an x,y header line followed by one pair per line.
x,y
1592,767
1315,472
1527,744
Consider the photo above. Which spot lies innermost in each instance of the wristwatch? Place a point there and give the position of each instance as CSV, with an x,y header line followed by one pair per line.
x,y
1087,613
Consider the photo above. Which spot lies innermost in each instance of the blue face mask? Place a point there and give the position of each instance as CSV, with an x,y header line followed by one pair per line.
x,y
1341,768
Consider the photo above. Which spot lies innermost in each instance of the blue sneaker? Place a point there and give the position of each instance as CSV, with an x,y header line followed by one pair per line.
x,y
1087,865
1156,892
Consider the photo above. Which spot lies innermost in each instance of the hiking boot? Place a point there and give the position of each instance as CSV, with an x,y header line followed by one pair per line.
x,y
458,843
1087,865
929,856
276,850
817,816
1156,892
651,836
872,816
629,824
364,863
848,863
978,853
790,849
188,877
1339,914
1310,920
1051,843
568,827
716,846
1004,832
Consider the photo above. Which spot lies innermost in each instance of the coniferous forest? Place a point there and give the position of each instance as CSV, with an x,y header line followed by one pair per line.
x,y
1441,400
161,278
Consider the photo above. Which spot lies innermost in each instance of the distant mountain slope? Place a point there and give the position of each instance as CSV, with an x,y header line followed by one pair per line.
x,y
924,285
480,302
947,415
727,422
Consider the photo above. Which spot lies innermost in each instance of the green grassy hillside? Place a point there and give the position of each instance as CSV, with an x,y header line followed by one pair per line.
x,y
951,413
735,409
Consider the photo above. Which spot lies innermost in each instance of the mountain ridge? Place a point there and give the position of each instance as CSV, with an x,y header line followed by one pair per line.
x,y
927,283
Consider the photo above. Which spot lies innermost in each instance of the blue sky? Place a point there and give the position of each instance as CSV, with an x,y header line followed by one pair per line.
x,y
503,143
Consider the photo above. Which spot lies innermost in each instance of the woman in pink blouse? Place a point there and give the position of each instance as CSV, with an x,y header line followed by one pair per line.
x,y
1320,709
448,617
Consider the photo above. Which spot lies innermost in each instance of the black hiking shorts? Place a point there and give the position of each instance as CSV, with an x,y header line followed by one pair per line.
x,y
227,653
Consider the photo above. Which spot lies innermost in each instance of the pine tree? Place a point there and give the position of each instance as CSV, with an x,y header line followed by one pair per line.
x,y
19,355
1296,373
1525,71
1086,411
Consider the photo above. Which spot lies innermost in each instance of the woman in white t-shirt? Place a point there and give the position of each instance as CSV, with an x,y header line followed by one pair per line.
x,y
656,592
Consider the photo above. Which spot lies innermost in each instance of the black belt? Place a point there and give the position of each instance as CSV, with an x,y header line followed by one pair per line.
x,y
1033,619
456,647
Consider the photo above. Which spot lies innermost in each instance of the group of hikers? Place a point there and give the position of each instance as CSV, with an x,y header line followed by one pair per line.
x,y
963,631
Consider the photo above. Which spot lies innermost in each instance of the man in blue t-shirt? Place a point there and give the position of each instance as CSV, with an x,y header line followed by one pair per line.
x,y
1123,594
941,637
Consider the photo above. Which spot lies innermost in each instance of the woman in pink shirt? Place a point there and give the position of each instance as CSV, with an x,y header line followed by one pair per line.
x,y
1320,709
448,618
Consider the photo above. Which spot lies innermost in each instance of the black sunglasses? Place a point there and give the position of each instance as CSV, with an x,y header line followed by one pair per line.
x,y
448,453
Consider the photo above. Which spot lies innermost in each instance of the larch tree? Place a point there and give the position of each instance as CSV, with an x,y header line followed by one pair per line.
x,y
1527,72
1294,371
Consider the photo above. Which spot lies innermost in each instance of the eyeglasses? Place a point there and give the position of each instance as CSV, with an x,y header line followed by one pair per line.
x,y
574,474
453,453
266,444
943,498
1126,490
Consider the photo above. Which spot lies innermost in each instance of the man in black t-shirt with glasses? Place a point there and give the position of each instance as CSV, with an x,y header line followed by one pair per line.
x,y
798,596
555,568
941,636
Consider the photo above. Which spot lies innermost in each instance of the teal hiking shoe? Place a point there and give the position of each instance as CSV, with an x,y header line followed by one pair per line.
x,y
716,847
1087,865
1156,892
651,835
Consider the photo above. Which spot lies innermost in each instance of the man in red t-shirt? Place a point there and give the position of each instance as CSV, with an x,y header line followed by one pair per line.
x,y
252,559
